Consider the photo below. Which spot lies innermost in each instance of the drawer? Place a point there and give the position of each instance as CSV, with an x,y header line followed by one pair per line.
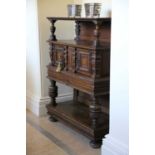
x,y
84,84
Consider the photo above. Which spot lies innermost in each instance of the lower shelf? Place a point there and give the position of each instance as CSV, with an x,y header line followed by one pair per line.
x,y
77,115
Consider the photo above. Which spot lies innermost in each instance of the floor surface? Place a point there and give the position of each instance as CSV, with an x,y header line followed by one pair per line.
x,y
54,138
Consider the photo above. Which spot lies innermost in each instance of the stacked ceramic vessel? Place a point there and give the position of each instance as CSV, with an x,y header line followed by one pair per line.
x,y
91,10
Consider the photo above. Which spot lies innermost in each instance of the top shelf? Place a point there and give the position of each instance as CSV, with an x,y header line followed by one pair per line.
x,y
80,18
93,30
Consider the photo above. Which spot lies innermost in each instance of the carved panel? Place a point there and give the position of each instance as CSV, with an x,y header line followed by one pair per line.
x,y
83,62
58,55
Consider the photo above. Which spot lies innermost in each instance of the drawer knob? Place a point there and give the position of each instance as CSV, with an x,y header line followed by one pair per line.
x,y
59,67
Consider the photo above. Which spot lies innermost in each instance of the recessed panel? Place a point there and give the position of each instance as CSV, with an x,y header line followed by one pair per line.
x,y
83,64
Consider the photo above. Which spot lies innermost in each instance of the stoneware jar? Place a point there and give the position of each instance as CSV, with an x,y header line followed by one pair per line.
x,y
74,10
92,9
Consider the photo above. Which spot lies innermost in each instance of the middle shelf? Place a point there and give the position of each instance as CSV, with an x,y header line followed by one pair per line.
x,y
86,44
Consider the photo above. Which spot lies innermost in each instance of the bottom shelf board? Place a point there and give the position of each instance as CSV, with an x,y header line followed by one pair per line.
x,y
77,115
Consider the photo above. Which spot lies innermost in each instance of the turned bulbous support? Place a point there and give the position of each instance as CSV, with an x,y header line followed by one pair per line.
x,y
53,29
53,92
96,143
77,30
94,112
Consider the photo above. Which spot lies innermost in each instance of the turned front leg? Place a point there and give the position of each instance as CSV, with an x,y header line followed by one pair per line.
x,y
75,95
95,111
94,107
53,92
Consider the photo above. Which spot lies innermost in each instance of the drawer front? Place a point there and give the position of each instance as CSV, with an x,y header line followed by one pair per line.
x,y
84,84
83,62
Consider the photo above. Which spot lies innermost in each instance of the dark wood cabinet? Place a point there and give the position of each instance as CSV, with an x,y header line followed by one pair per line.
x,y
83,64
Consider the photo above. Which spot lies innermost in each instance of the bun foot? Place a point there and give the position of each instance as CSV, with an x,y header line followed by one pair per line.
x,y
52,119
96,143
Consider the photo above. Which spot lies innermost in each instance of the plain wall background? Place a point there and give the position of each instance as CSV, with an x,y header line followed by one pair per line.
x,y
117,141
33,74
38,32
52,8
